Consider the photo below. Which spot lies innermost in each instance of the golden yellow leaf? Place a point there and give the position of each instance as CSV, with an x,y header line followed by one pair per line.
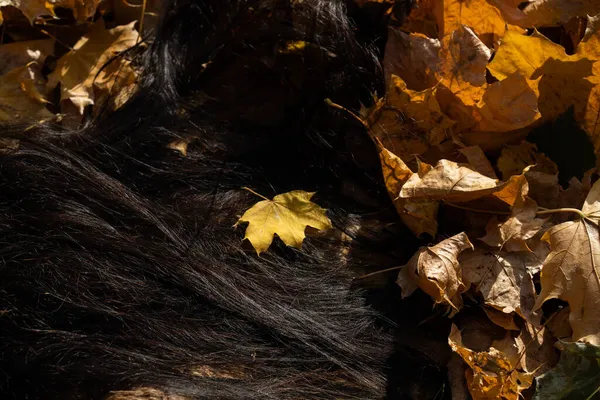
x,y
287,215
492,374
76,71
564,81
436,271
524,54
572,270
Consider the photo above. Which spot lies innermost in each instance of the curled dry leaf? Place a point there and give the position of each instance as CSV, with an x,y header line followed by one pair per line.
x,y
572,270
493,374
437,272
287,215
76,71
505,280
419,215
449,181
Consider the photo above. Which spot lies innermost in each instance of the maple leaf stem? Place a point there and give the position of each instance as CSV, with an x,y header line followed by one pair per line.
x,y
352,114
254,193
476,209
381,271
564,210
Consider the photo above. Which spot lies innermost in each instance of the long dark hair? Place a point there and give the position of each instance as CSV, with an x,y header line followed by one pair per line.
x,y
121,275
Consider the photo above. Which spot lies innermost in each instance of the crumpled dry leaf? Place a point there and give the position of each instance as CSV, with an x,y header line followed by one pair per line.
x,y
463,59
408,122
504,279
437,272
480,15
76,71
512,234
537,349
287,215
492,374
572,270
412,57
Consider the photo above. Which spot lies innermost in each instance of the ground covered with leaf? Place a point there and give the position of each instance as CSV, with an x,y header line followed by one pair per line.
x,y
488,134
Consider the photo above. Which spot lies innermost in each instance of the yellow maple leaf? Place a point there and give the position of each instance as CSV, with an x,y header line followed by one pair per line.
x,y
572,270
436,271
287,215
77,70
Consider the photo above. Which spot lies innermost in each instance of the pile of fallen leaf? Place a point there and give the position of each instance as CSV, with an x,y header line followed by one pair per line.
x,y
467,81
62,59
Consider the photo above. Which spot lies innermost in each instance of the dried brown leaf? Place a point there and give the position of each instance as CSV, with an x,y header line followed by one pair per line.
x,y
505,280
437,272
572,270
